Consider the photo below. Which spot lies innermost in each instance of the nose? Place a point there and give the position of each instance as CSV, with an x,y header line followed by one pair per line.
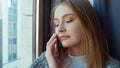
x,y
61,28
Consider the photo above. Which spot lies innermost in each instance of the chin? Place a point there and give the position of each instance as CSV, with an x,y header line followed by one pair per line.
x,y
66,45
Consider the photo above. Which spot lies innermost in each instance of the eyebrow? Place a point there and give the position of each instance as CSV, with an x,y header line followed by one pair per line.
x,y
63,16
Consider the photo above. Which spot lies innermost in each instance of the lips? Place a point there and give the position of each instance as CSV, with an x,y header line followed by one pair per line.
x,y
64,37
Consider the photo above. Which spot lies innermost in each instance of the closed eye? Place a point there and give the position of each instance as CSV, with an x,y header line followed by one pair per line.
x,y
69,21
56,22
56,25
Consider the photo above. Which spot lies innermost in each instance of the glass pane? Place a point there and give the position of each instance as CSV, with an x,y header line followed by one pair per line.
x,y
0,34
16,20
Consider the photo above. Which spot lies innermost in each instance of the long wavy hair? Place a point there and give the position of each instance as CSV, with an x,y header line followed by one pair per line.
x,y
94,43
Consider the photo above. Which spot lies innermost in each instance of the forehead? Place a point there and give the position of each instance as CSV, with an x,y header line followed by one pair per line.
x,y
62,10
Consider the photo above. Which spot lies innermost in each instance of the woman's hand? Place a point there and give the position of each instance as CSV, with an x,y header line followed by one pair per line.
x,y
54,60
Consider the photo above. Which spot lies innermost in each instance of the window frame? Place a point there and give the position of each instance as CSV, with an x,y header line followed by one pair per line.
x,y
1,45
42,26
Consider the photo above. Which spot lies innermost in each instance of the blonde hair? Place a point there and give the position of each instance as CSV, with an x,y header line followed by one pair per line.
x,y
94,43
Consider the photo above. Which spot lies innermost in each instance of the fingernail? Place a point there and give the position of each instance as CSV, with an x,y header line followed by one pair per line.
x,y
54,34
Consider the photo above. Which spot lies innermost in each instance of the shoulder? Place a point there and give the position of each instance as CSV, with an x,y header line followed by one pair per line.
x,y
113,63
40,62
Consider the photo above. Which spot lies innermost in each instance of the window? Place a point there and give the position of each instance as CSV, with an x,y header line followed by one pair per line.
x,y
23,25
17,21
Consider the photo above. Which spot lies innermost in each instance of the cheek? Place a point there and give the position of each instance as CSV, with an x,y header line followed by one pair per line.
x,y
75,33
56,31
74,40
76,37
75,30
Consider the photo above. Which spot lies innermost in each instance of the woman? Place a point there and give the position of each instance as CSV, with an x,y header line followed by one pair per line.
x,y
83,41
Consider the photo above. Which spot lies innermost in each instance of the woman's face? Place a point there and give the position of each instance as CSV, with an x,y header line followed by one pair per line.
x,y
67,26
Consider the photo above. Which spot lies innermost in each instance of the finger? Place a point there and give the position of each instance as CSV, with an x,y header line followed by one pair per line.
x,y
52,44
52,38
51,48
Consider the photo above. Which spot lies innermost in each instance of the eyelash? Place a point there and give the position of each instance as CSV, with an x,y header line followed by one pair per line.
x,y
69,21
56,25
65,21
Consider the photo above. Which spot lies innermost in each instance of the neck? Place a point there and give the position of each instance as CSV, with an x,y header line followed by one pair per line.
x,y
75,51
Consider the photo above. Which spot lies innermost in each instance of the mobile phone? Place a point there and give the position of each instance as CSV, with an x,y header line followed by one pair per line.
x,y
58,46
